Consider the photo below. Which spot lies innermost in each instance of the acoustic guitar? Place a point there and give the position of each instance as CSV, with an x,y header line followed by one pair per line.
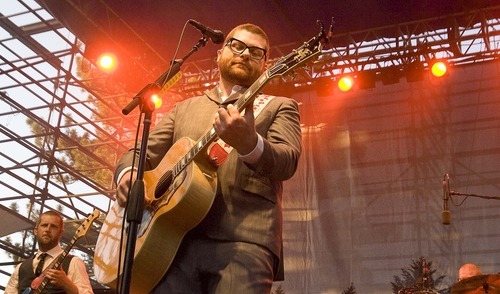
x,y
182,189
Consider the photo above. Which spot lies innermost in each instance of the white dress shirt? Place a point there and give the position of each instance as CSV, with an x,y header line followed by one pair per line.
x,y
77,272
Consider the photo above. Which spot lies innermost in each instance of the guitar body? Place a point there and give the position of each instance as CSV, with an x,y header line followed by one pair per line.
x,y
164,224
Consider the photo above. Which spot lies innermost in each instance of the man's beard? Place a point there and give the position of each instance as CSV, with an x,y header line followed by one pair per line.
x,y
50,242
240,77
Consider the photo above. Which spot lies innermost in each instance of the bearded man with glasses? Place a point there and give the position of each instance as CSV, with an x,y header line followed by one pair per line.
x,y
236,248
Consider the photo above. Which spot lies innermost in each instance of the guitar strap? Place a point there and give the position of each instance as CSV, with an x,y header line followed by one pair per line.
x,y
219,150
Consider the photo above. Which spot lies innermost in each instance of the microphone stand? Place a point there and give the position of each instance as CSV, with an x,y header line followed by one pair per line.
x,y
135,203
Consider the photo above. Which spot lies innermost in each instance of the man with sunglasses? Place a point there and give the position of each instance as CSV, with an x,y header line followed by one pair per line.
x,y
237,246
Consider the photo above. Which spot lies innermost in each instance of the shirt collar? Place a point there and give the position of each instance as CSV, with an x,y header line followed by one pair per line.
x,y
52,252
215,94
236,89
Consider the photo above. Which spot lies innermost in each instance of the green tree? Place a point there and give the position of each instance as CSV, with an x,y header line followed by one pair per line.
x,y
419,277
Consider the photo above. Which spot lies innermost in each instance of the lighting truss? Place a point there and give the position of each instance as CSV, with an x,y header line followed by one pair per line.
x,y
470,37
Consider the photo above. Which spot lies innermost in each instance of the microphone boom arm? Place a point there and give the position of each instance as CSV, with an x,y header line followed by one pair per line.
x,y
474,195
164,78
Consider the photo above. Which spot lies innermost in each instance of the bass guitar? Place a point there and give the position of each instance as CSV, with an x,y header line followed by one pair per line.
x,y
182,190
39,283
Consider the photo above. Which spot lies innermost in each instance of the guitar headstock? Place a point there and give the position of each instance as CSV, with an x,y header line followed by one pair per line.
x,y
301,55
86,224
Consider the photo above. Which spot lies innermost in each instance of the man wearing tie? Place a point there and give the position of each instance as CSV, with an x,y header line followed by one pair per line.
x,y
72,277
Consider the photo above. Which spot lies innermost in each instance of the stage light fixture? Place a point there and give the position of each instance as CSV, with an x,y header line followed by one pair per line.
x,y
107,62
439,68
123,67
414,72
345,83
157,101
324,86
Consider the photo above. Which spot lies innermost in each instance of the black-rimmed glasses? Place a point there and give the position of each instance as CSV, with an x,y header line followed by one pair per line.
x,y
238,47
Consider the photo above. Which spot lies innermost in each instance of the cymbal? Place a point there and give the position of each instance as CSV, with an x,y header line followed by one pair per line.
x,y
478,285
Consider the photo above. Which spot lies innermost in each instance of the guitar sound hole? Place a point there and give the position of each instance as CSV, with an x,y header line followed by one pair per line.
x,y
163,185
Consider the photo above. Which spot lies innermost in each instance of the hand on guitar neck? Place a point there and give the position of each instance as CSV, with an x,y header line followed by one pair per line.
x,y
235,129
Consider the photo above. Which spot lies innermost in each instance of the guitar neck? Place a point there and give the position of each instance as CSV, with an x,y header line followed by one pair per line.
x,y
65,252
252,91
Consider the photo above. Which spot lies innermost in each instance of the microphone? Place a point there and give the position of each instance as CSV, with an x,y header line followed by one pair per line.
x,y
216,36
446,195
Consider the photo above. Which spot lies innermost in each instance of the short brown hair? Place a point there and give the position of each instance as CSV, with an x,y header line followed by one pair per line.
x,y
254,29
51,213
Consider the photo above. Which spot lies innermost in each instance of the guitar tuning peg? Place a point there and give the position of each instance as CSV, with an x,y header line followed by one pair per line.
x,y
325,37
329,35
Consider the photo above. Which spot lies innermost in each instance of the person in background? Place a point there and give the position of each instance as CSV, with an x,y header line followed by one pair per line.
x,y
468,270
71,278
237,246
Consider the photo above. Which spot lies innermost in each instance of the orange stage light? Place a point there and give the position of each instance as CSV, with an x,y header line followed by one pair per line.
x,y
157,101
439,69
107,62
345,83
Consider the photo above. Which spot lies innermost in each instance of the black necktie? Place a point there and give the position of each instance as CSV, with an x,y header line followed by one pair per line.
x,y
39,267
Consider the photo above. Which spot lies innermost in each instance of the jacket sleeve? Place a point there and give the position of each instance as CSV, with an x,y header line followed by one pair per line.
x,y
282,141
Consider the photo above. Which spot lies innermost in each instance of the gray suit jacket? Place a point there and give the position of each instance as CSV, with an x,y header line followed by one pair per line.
x,y
247,205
